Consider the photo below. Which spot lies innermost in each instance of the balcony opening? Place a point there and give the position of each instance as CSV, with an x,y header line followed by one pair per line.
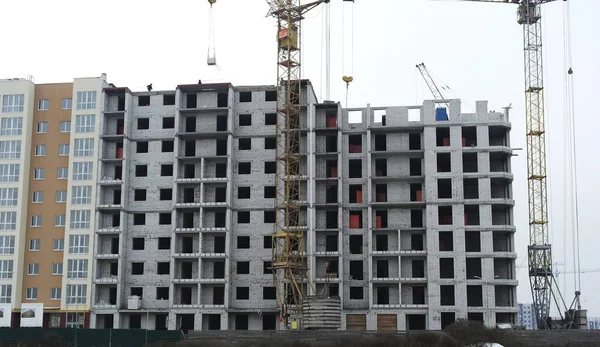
x,y
416,322
118,172
356,193
447,295
446,267
334,290
415,166
117,197
186,270
501,215
191,100
190,124
443,162
417,242
502,242
190,148
381,193
120,126
469,136
380,167
219,246
356,220
355,144
222,99
219,219
219,269
116,220
418,268
442,136
241,319
446,241
418,295
269,321
472,241
381,219
444,188
416,218
447,318
474,296
189,171
188,220
332,267
355,168
383,269
383,295
186,322
356,270
499,162
187,245
356,293
221,147
219,294
498,136
331,194
112,295
470,162
222,123
114,245
381,142
445,215
331,243
471,188
214,321
500,188
503,268
475,317
472,214
416,192
114,269
331,143
356,244
473,268
135,321
381,243
414,141
121,103
221,170
188,195
331,118
331,221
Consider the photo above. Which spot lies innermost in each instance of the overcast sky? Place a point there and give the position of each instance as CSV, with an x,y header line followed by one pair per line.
x,y
475,49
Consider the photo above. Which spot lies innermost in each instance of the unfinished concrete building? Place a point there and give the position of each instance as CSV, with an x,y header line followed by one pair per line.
x,y
409,207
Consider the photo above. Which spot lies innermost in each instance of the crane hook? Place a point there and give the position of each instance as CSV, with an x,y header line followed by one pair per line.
x,y
211,2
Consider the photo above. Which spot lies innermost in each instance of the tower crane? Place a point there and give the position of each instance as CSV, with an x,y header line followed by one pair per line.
x,y
544,288
437,94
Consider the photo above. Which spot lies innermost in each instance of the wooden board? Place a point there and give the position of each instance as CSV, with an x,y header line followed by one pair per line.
x,y
387,322
356,322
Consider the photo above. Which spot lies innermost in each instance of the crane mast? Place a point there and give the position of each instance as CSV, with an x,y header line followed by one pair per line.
x,y
288,263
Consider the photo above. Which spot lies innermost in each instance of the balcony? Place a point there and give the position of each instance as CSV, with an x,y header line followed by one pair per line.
x,y
107,256
186,280
110,181
109,230
112,279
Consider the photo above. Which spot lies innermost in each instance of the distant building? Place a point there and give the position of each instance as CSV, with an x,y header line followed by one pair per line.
x,y
594,323
527,317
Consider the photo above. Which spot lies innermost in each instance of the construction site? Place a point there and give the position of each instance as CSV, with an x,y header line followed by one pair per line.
x,y
215,206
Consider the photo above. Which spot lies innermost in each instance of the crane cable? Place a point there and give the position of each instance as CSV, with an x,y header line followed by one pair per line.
x,y
348,78
571,150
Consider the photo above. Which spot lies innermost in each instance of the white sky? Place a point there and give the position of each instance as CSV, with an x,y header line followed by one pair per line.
x,y
476,49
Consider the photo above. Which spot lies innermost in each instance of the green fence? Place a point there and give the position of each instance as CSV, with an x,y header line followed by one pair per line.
x,y
33,337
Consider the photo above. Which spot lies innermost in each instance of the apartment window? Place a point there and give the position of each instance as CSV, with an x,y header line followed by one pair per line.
x,y
163,268
36,221
86,100
166,170
141,170
270,118
61,196
137,268
34,245
7,245
62,173
5,293
31,294
245,119
242,293
245,144
243,242
77,268
37,197
9,173
269,192
66,104
270,167
41,127
164,243
143,123
243,217
64,149
58,244
141,147
60,220
270,142
57,269
245,96
80,219
10,149
144,100
81,195
55,293
83,147
139,195
65,127
82,171
168,146
6,269
85,123
162,293
243,192
11,126
166,194
79,244
33,269
269,217
164,219
13,103
76,294
39,174
40,150
9,196
8,220
356,293
244,168
169,122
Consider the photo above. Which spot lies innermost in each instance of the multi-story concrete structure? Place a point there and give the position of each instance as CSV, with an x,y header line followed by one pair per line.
x,y
527,317
410,209
46,252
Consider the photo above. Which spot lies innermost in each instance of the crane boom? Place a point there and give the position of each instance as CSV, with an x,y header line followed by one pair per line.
x,y
437,94
288,263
